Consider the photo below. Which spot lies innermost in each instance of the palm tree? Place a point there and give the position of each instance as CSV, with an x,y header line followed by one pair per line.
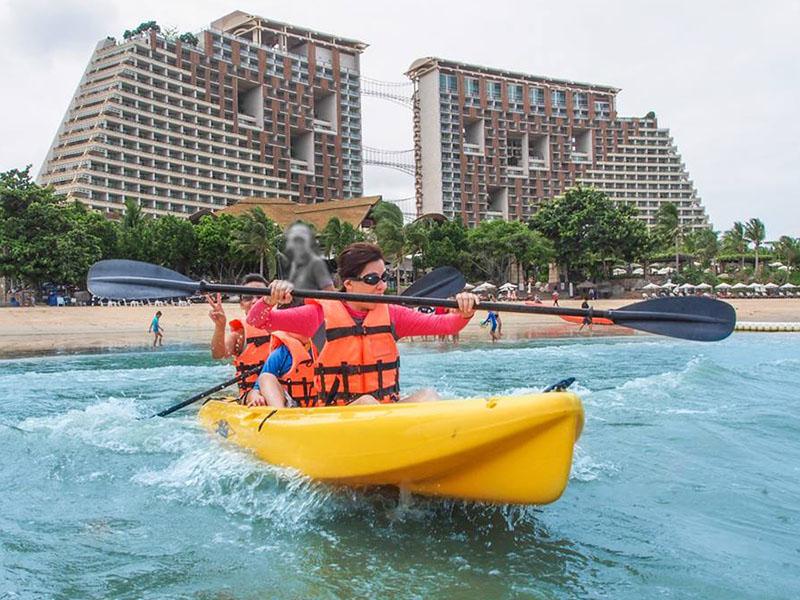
x,y
338,235
259,236
733,241
788,250
754,233
392,240
668,227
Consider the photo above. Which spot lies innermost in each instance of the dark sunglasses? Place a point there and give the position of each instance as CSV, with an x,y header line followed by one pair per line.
x,y
372,278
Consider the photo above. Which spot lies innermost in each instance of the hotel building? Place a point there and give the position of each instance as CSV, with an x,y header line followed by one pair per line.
x,y
491,144
254,108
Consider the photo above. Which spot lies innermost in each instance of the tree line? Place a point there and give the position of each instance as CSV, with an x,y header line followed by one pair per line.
x,y
46,239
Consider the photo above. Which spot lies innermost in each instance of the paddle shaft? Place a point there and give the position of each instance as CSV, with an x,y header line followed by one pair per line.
x,y
201,395
614,315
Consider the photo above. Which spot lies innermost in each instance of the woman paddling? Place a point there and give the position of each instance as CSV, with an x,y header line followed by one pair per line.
x,y
355,342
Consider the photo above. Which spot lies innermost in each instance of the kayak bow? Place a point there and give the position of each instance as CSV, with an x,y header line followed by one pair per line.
x,y
501,449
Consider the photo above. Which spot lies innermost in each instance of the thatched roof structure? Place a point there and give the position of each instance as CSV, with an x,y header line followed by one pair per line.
x,y
285,212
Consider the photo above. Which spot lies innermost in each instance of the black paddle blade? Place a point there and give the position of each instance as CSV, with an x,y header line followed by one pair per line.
x,y
134,280
691,318
442,282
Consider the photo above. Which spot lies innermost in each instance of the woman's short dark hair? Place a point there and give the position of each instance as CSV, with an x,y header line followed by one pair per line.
x,y
251,277
353,259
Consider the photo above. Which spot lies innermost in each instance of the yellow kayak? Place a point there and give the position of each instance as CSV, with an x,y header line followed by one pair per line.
x,y
513,449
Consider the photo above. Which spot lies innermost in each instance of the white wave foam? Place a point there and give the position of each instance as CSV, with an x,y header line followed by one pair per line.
x,y
585,468
236,482
114,424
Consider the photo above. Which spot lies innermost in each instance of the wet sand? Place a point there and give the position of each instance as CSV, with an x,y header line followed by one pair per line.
x,y
49,329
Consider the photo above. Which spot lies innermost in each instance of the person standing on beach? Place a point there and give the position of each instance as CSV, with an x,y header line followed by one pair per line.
x,y
587,320
493,318
156,329
555,297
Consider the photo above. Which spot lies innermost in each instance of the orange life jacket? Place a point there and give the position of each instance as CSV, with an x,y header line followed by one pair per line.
x,y
299,379
356,359
255,350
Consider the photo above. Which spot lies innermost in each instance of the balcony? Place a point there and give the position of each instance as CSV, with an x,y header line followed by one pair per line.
x,y
513,171
299,166
323,126
537,164
580,157
472,148
494,215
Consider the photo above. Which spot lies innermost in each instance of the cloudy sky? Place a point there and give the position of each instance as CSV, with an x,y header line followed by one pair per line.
x,y
723,76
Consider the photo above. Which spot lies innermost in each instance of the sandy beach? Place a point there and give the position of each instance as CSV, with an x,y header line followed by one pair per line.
x,y
49,329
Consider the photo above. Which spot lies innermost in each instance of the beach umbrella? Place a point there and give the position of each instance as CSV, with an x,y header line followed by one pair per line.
x,y
783,268
776,264
586,285
619,271
508,286
652,287
724,286
771,286
788,286
638,271
741,286
485,287
468,287
669,285
703,286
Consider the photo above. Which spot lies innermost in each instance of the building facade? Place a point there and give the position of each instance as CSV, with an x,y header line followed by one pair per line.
x,y
255,108
492,144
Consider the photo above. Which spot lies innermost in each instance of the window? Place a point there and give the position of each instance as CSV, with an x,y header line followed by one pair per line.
x,y
580,100
493,90
536,96
515,93
447,82
473,87
559,98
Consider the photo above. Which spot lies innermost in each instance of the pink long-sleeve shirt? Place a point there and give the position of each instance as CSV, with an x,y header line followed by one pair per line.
x,y
305,320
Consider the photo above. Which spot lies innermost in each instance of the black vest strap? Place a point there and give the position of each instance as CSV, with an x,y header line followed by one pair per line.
x,y
303,395
336,333
345,369
258,340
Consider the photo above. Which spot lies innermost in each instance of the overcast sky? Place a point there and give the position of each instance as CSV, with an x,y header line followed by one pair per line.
x,y
723,76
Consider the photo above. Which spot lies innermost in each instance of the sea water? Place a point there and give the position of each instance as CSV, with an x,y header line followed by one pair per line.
x,y
685,484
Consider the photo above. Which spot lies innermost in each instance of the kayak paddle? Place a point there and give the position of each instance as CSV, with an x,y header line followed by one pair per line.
x,y
690,318
208,392
441,283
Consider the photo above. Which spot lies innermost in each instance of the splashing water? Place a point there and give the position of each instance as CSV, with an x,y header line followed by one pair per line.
x,y
685,484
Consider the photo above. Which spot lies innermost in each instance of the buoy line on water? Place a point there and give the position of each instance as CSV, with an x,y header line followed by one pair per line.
x,y
766,326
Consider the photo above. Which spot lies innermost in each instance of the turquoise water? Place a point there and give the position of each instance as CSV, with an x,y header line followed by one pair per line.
x,y
686,484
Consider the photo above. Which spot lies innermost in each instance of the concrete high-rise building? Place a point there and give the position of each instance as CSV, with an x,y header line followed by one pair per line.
x,y
254,108
493,144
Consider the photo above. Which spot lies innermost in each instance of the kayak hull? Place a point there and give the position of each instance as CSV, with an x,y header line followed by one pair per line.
x,y
502,450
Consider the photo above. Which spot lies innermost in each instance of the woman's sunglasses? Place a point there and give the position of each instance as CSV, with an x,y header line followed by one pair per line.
x,y
372,278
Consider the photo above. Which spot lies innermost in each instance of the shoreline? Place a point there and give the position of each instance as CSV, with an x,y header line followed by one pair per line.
x,y
52,330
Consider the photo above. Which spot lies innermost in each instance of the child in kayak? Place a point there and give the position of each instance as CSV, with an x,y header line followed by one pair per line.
x,y
287,378
156,329
248,346
357,357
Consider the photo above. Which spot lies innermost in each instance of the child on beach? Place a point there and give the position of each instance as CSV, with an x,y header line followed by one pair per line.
x,y
156,329
493,319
